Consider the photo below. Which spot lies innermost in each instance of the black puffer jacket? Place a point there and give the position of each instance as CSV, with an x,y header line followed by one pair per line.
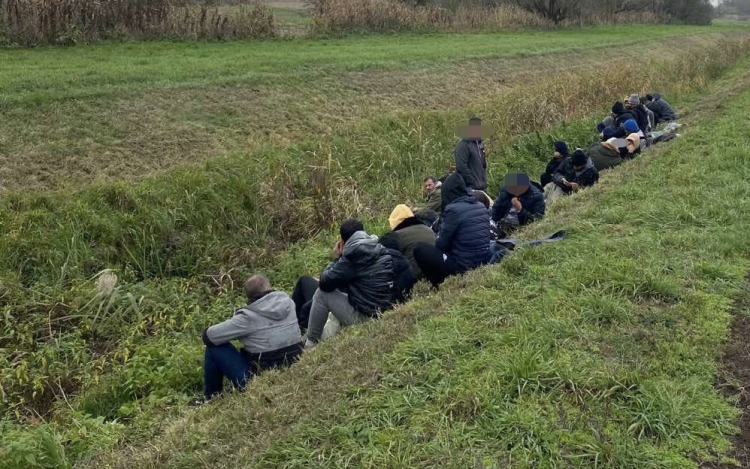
x,y
641,117
585,178
365,271
532,202
465,233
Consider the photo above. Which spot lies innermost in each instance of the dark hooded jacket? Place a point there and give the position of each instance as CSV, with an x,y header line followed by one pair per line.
x,y
584,178
621,114
641,117
661,109
404,277
465,233
471,162
532,202
604,155
365,271
406,236
453,188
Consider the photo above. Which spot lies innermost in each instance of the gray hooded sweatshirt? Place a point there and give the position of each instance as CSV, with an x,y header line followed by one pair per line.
x,y
265,325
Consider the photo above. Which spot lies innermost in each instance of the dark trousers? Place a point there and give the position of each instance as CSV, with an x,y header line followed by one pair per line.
x,y
302,297
545,179
224,360
434,266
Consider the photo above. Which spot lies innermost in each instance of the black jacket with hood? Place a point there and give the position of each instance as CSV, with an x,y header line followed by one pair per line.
x,y
465,232
365,271
532,202
584,178
471,162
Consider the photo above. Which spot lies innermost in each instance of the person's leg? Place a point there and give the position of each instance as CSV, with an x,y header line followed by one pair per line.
x,y
304,290
220,361
337,303
545,179
432,263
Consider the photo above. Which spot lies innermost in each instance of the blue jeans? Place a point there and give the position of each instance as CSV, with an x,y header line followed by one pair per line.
x,y
224,360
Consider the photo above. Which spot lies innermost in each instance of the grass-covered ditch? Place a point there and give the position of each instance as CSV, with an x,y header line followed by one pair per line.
x,y
87,364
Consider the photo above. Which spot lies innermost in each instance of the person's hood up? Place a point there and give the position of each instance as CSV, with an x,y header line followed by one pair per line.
x,y
608,133
398,215
656,96
635,139
453,188
363,248
589,165
274,305
618,108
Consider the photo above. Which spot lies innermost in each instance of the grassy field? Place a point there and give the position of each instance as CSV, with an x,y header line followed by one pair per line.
x,y
600,351
125,111
85,368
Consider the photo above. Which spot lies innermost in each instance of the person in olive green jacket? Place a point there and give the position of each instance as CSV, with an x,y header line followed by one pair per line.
x,y
433,195
408,232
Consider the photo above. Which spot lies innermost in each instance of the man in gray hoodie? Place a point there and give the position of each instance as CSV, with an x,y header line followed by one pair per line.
x,y
268,330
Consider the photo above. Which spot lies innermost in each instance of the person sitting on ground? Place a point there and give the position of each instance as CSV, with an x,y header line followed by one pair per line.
x,y
471,157
433,195
573,173
561,152
650,113
405,279
463,242
621,114
663,112
518,198
604,154
268,330
407,232
633,104
357,286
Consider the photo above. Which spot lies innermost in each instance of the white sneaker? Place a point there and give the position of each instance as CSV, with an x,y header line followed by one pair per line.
x,y
309,344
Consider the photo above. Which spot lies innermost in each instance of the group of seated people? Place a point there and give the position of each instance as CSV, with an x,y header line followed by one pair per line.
x,y
457,229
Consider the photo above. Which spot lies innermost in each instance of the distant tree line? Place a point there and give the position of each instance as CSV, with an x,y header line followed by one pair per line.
x,y
687,11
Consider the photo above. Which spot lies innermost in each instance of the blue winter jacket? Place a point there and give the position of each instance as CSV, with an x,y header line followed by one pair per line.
x,y
532,202
465,232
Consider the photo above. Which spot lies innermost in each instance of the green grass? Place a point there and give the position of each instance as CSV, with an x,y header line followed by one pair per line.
x,y
102,367
127,110
599,351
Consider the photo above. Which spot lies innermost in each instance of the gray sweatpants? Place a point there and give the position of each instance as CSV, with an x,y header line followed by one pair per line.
x,y
337,302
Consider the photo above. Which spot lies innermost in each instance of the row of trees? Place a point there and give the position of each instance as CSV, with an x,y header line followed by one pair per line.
x,y
688,11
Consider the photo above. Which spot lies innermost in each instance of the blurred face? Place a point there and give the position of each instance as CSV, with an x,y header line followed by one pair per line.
x,y
429,186
517,190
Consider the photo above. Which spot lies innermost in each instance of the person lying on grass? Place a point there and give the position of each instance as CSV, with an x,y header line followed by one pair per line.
x,y
357,286
268,330
633,104
663,111
573,173
463,242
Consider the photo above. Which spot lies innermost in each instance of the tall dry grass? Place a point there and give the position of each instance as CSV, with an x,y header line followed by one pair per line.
x,y
36,22
336,16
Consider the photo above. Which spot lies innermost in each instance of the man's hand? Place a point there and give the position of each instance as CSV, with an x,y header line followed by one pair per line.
x,y
573,185
565,182
338,249
517,204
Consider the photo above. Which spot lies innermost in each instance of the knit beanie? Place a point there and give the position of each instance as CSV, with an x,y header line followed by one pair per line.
x,y
398,215
608,133
630,126
562,148
579,158
634,100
